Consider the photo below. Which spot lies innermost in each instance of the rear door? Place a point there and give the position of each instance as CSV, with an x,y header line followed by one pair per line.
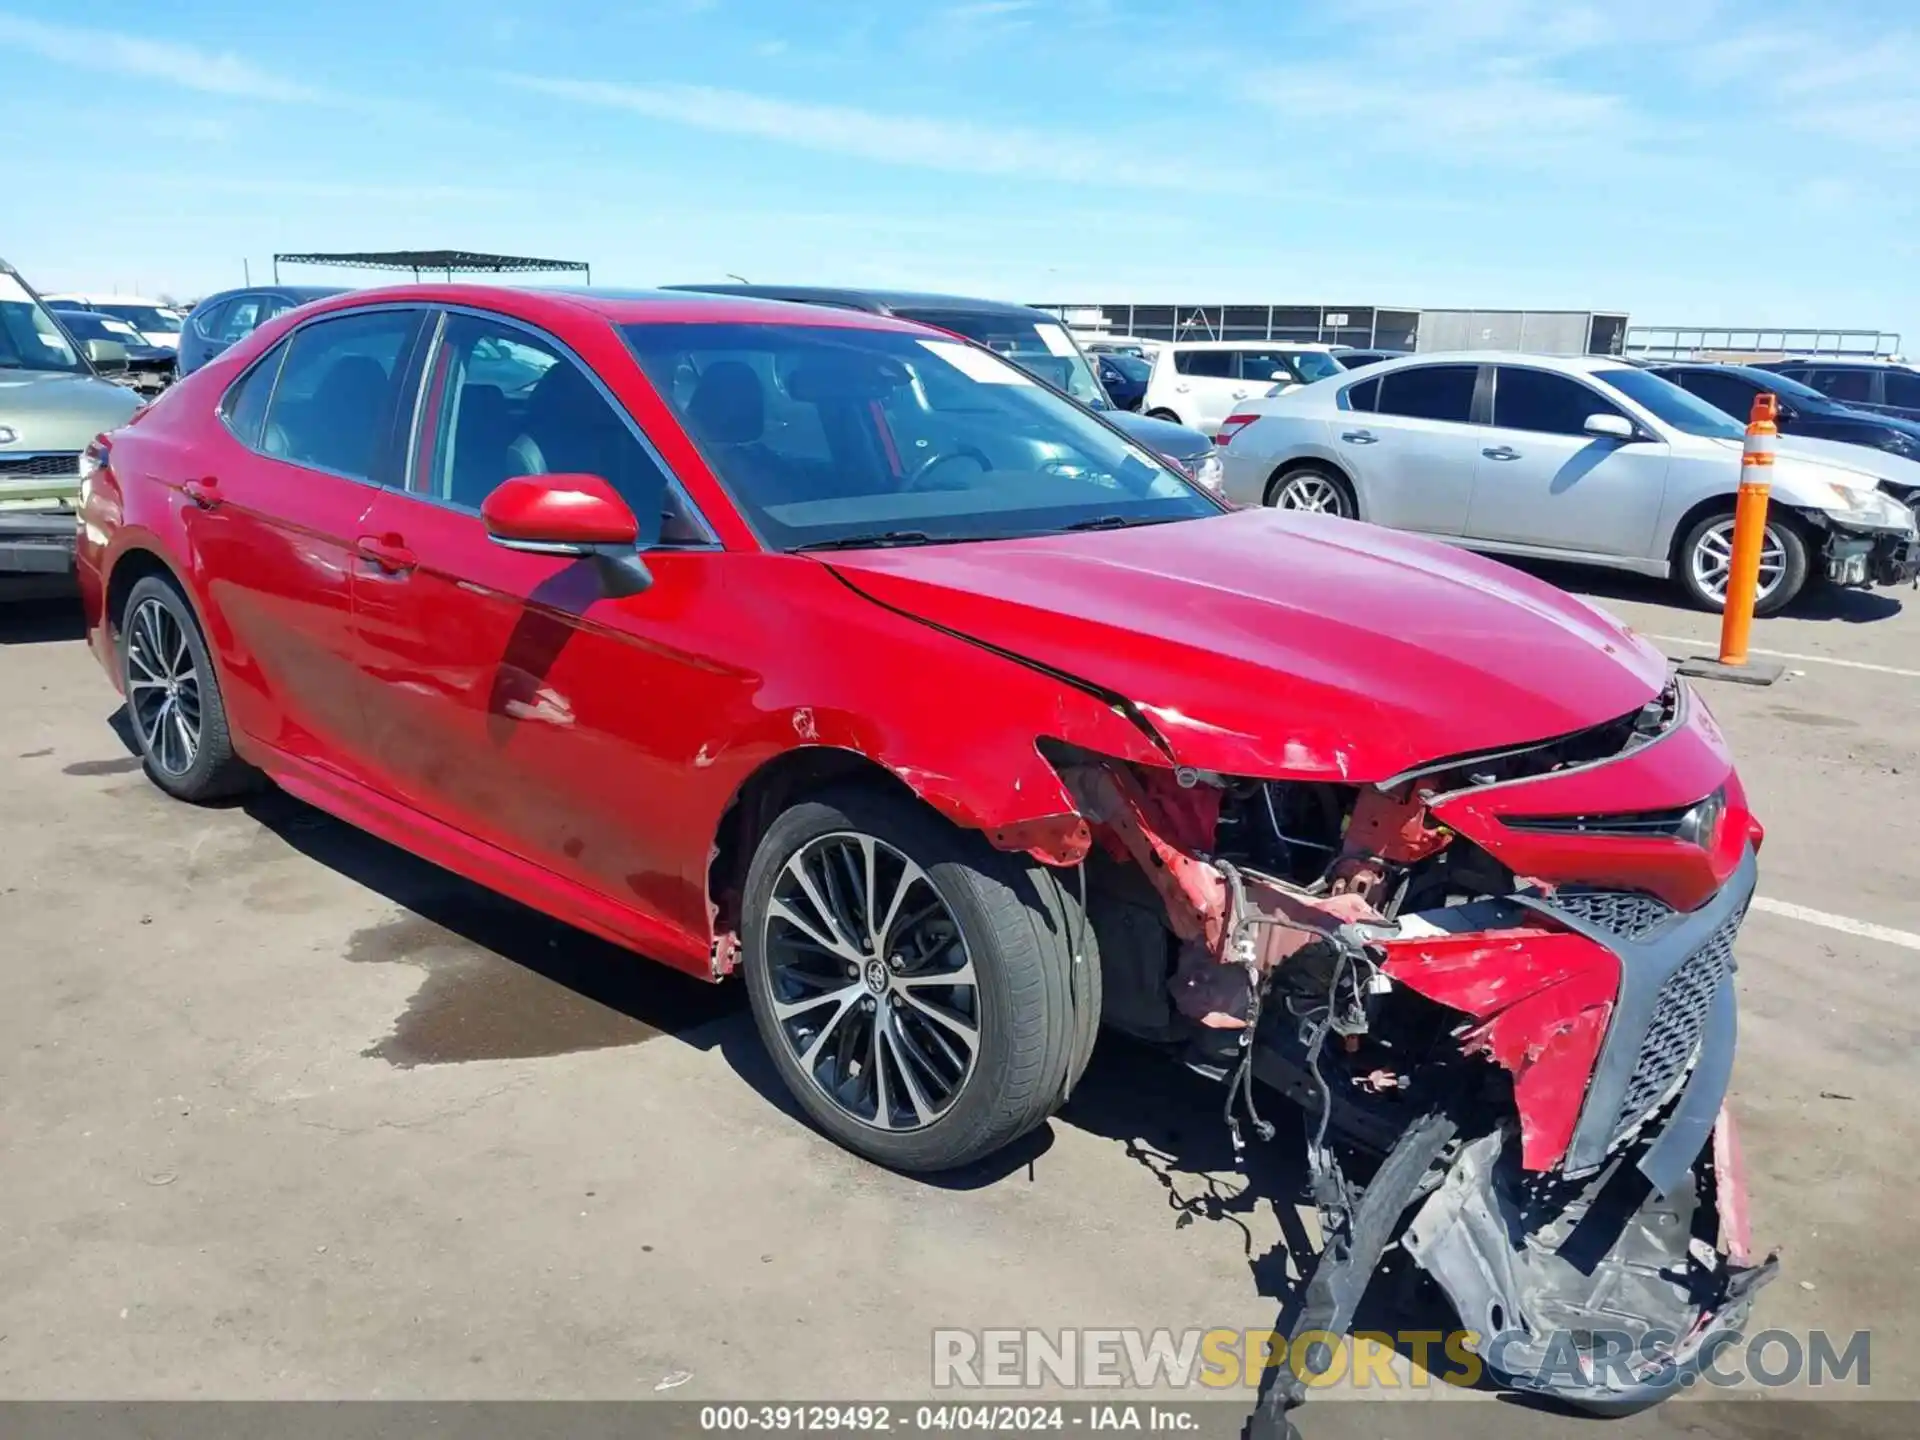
x,y
272,518
1206,386
1412,455
1540,479
512,700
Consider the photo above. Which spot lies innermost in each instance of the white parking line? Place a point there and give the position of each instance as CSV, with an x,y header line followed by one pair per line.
x,y
1846,924
1706,646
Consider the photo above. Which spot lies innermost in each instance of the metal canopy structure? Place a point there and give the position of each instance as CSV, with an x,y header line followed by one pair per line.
x,y
448,262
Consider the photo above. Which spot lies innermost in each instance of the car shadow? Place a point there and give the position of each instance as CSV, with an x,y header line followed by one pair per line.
x,y
1820,601
506,981
40,620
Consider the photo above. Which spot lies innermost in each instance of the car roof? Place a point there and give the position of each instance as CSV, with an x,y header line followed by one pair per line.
x,y
1253,344
94,297
1836,362
628,307
301,293
1566,364
878,302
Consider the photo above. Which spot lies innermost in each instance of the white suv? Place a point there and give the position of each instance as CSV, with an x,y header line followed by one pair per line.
x,y
1200,382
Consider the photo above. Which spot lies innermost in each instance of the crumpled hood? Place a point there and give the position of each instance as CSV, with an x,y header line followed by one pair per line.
x,y
1268,643
1863,459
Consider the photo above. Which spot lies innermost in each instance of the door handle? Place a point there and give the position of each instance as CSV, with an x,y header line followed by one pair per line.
x,y
203,492
1181,389
1501,452
1359,437
388,552
1239,394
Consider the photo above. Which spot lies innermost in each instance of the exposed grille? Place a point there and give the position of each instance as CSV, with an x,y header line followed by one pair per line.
x,y
1673,1035
1626,913
1639,822
36,467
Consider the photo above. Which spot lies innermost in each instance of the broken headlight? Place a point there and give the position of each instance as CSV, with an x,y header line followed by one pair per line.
x,y
1701,824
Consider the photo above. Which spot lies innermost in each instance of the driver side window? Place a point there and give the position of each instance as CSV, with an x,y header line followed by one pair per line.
x,y
506,403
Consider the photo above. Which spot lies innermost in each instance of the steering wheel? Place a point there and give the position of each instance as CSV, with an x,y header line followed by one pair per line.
x,y
921,478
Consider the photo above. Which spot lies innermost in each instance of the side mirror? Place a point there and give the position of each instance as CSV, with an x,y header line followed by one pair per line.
x,y
107,355
1280,375
578,515
1609,427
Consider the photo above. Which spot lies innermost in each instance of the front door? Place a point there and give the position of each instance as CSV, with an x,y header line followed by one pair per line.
x,y
1541,480
272,522
514,701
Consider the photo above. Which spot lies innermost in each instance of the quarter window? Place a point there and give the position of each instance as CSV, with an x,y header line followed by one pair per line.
x,y
339,389
1364,396
510,404
1429,392
1540,400
244,406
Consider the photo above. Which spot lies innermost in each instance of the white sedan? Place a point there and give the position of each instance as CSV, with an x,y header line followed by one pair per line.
x,y
1590,460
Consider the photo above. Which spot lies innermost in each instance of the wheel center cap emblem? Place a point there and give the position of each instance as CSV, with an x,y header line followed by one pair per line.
x,y
877,978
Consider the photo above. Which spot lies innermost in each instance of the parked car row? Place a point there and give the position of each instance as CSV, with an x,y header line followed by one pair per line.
x,y
1591,460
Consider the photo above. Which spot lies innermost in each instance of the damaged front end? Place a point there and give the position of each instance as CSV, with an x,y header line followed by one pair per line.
x,y
1500,987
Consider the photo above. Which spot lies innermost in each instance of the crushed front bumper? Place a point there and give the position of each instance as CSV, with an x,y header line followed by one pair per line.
x,y
37,542
1605,1295
1878,557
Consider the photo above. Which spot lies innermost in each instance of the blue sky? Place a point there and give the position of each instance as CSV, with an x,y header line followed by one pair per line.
x,y
1692,161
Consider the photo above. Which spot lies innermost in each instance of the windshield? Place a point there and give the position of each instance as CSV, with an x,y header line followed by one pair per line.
x,y
1039,347
1315,364
1668,402
148,319
826,435
29,338
84,325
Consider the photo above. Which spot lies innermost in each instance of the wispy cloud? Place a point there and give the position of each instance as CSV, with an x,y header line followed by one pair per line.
x,y
966,146
210,72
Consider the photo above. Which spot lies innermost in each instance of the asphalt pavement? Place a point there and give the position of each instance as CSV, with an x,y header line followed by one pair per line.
x,y
290,1114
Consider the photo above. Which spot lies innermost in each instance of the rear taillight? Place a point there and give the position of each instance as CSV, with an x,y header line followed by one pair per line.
x,y
1232,426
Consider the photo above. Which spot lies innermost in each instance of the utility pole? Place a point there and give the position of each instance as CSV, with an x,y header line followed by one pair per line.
x,y
246,271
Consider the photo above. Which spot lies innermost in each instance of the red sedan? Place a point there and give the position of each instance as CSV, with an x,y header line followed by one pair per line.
x,y
838,651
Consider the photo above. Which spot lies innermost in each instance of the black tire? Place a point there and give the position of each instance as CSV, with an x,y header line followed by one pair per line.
x,y
1782,529
1166,415
215,772
1346,503
1036,1011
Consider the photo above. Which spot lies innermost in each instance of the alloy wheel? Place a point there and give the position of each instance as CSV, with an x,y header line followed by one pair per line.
x,y
1309,491
874,990
163,688
1712,561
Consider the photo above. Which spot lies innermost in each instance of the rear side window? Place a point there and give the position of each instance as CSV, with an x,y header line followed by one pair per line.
x,y
1540,400
339,387
1429,392
208,319
1903,388
244,407
1364,396
240,319
1843,384
1213,364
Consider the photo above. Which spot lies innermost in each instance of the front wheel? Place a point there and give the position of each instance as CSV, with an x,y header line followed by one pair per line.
x,y
919,991
1704,561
